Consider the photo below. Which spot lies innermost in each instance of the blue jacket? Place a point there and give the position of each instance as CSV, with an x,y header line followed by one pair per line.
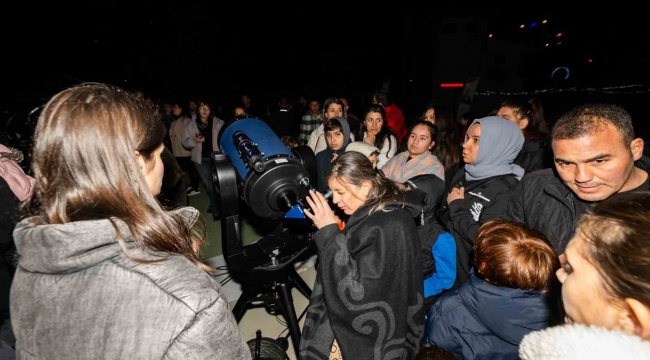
x,y
444,254
482,321
438,247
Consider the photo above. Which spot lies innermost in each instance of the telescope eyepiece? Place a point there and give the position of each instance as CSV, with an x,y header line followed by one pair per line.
x,y
328,194
249,152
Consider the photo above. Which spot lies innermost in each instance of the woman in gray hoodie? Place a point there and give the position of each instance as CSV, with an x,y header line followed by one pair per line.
x,y
105,272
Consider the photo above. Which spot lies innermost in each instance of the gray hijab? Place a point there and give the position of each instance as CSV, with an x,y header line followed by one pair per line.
x,y
501,141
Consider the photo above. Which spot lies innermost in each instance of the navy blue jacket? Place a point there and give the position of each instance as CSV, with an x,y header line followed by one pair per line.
x,y
482,321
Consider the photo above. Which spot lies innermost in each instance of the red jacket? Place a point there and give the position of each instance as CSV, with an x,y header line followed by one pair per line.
x,y
396,122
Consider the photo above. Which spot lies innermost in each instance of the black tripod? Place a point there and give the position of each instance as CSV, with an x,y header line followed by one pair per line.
x,y
265,267
275,289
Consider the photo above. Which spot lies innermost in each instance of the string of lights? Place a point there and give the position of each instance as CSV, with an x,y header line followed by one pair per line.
x,y
618,90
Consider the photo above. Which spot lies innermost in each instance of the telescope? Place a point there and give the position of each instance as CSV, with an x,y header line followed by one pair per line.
x,y
274,181
256,166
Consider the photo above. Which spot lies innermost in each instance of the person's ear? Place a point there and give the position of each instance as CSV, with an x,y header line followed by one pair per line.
x,y
635,319
636,148
140,160
523,123
366,186
433,143
481,271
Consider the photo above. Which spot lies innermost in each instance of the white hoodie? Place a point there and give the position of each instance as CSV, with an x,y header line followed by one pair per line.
x,y
579,342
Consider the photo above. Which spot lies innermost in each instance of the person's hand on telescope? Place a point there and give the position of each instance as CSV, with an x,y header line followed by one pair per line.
x,y
321,213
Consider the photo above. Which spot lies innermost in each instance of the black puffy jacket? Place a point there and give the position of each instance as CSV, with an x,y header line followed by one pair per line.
x,y
543,202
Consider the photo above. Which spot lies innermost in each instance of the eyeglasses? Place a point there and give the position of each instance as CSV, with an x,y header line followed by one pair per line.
x,y
204,107
428,118
376,121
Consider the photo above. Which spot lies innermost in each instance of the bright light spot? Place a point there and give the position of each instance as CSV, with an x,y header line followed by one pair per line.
x,y
544,21
410,80
522,26
533,24
490,35
546,44
590,60
559,34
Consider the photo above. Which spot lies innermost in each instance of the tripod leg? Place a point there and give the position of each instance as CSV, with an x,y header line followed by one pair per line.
x,y
240,307
284,291
299,283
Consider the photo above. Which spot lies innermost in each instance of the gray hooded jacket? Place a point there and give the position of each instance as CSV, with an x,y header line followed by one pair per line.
x,y
76,295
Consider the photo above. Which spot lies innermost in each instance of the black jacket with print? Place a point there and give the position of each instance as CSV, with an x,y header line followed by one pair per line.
x,y
368,290
485,200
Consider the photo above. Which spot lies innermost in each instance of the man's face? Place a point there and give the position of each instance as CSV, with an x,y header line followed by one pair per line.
x,y
597,165
314,106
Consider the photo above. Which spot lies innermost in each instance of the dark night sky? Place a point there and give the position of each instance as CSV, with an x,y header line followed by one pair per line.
x,y
180,47
209,47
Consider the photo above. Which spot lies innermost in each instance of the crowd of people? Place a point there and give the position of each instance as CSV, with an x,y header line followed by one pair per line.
x,y
493,237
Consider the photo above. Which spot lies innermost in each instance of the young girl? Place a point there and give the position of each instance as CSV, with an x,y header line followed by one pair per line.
x,y
418,158
202,137
105,272
448,145
605,278
333,107
482,191
366,149
536,154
